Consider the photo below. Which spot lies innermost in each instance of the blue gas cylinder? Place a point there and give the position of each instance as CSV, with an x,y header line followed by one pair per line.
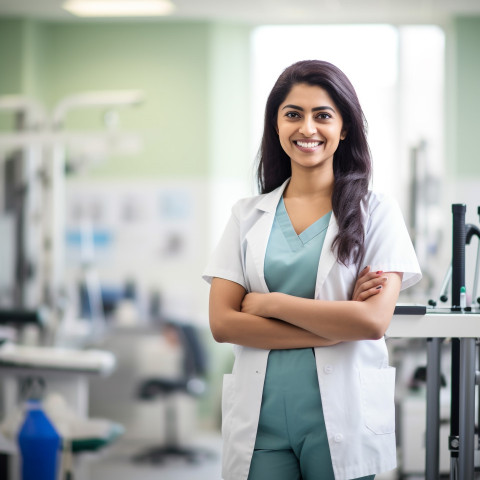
x,y
39,444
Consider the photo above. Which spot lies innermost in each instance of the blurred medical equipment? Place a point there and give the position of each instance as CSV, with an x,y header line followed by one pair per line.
x,y
460,323
33,164
65,374
33,167
462,424
191,381
39,443
19,204
470,231
474,230
79,434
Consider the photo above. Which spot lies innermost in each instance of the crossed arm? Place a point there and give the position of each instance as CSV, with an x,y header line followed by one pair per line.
x,y
279,321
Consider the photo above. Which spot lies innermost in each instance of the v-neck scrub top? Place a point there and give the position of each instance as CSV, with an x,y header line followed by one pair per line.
x,y
291,260
291,438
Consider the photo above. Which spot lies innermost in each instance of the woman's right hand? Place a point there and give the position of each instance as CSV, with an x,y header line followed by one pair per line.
x,y
368,284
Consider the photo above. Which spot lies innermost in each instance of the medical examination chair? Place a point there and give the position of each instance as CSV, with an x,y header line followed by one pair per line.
x,y
191,382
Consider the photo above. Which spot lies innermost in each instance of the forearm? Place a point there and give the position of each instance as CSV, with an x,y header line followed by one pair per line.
x,y
259,332
333,320
229,325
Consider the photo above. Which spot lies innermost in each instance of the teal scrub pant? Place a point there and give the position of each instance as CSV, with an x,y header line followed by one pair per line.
x,y
291,441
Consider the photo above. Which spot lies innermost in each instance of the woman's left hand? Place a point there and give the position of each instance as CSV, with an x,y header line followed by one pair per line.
x,y
368,284
257,304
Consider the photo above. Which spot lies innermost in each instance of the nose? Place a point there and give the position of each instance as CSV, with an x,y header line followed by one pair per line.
x,y
308,127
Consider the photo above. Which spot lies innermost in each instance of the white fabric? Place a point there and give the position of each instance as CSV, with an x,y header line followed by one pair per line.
x,y
356,383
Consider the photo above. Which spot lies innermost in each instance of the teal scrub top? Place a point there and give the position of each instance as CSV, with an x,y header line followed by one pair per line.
x,y
291,415
291,260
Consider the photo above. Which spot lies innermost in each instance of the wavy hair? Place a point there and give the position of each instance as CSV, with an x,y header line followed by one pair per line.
x,y
351,161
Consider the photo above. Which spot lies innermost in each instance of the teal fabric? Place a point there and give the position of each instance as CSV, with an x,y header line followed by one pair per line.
x,y
291,260
291,441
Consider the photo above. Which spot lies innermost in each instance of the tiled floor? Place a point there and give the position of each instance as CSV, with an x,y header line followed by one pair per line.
x,y
117,464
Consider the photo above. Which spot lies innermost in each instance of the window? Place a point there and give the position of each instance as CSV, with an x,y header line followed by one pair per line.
x,y
398,73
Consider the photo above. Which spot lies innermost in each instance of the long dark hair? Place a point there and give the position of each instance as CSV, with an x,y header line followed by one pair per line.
x,y
351,161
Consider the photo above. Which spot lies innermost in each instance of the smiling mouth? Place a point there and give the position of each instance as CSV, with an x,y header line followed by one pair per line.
x,y
307,144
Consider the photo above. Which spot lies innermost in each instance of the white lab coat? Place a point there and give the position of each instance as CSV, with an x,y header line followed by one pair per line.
x,y
356,382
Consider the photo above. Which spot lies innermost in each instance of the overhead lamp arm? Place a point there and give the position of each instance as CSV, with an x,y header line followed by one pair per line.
x,y
105,99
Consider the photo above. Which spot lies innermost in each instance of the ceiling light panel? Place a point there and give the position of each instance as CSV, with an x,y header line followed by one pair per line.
x,y
118,8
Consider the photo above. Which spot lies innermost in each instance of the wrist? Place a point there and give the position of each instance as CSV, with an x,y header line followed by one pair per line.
x,y
274,304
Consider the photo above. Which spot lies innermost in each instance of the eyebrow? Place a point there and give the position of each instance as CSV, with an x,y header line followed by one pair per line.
x,y
315,109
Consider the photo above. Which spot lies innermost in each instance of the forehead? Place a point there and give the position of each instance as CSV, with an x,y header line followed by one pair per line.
x,y
302,94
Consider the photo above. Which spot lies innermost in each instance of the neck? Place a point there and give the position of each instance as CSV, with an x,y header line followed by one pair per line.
x,y
308,183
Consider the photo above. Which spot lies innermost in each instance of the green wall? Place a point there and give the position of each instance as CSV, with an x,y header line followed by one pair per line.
x,y
169,62
464,105
186,69
12,46
12,42
229,91
195,120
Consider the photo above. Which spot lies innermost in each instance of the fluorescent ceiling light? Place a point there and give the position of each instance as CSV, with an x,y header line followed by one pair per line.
x,y
118,8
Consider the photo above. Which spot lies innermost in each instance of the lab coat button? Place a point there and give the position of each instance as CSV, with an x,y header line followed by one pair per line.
x,y
338,438
328,369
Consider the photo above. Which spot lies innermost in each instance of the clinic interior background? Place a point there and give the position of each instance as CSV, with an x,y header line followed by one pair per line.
x,y
146,207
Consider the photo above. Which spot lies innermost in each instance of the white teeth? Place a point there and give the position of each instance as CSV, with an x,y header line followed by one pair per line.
x,y
308,144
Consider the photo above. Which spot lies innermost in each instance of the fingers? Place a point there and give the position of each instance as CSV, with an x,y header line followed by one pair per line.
x,y
363,276
368,284
373,280
364,272
368,293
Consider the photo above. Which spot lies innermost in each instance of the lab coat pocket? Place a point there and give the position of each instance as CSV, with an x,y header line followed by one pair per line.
x,y
228,395
378,389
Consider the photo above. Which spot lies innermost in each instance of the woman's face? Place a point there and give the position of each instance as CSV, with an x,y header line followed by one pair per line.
x,y
309,126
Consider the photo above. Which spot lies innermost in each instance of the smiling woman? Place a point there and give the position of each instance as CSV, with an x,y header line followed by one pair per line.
x,y
309,127
310,86
311,392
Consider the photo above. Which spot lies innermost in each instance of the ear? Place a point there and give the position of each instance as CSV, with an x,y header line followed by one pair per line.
x,y
343,135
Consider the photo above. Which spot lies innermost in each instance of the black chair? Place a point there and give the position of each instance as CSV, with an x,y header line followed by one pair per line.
x,y
191,382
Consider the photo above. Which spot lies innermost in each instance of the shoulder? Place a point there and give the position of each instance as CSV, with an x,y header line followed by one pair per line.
x,y
245,208
245,211
381,211
377,201
257,204
247,203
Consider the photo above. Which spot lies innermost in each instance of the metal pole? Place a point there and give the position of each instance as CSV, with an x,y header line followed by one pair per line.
x,y
458,253
458,281
433,409
473,302
467,409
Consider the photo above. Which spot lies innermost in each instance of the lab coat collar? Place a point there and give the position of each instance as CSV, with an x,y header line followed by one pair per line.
x,y
260,233
270,200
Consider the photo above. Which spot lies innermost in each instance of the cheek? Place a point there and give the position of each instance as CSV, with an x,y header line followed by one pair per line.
x,y
335,134
284,138
285,144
